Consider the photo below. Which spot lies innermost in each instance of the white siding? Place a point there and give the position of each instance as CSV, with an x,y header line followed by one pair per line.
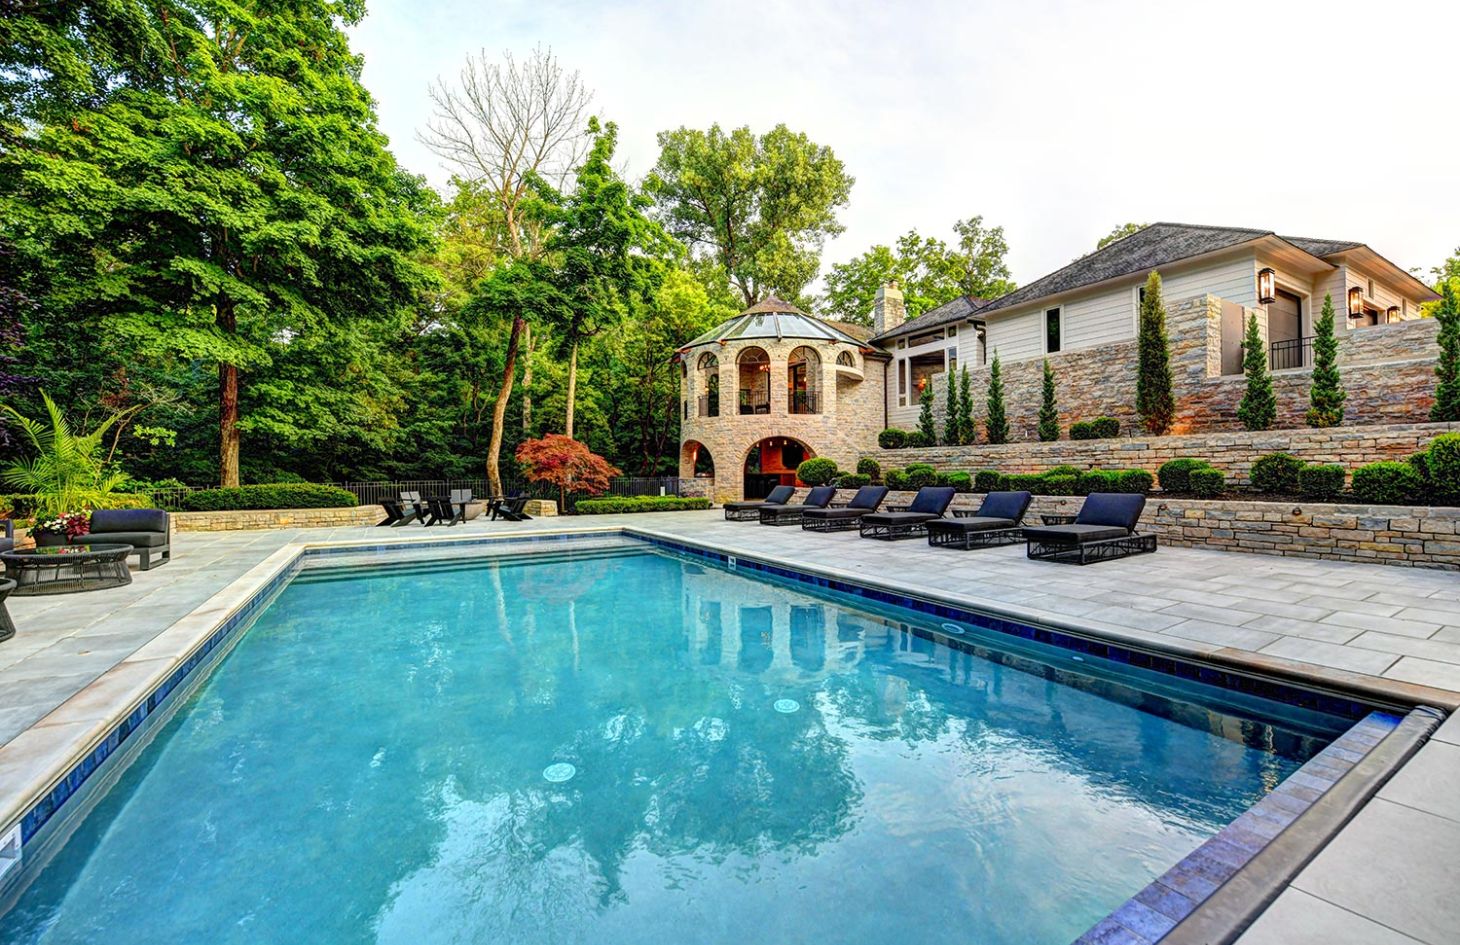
x,y
1016,335
1385,293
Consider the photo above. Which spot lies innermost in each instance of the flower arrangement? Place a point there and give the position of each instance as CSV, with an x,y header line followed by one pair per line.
x,y
69,524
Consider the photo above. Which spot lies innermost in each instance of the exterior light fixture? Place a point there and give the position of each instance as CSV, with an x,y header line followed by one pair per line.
x,y
1266,287
1355,302
1392,314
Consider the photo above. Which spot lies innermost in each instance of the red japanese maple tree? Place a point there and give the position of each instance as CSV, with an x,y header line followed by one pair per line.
x,y
567,464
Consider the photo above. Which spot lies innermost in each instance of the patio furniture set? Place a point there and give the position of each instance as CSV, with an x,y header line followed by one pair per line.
x,y
450,510
1104,528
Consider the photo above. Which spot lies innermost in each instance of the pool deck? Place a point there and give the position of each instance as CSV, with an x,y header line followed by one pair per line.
x,y
1389,878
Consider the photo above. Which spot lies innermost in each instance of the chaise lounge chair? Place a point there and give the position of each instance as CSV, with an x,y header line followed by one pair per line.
x,y
997,522
929,504
1105,528
867,500
818,498
750,511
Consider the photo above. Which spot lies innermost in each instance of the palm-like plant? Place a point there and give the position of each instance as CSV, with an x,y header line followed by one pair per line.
x,y
67,472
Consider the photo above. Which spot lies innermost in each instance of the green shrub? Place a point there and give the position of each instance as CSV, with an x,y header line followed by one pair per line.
x,y
1057,485
816,472
1387,483
1175,474
1206,482
1442,469
1101,428
852,480
1023,482
615,505
1063,471
1082,430
916,439
959,480
1276,473
1323,481
895,479
1134,480
22,506
869,467
989,480
892,438
300,495
1095,480
920,474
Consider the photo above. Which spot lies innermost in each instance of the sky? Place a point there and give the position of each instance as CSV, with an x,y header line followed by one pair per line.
x,y
1055,120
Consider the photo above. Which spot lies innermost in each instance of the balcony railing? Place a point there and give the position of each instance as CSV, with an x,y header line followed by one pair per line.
x,y
1291,353
803,401
755,401
709,405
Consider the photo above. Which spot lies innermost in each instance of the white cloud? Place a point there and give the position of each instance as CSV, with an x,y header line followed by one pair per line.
x,y
1058,120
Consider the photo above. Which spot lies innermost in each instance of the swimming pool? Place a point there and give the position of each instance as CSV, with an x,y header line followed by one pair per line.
x,y
627,746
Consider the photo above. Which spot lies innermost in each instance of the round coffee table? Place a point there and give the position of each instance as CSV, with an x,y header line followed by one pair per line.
x,y
67,569
7,626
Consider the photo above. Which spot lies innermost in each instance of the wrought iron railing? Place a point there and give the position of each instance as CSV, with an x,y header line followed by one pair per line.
x,y
1290,353
755,401
709,405
804,401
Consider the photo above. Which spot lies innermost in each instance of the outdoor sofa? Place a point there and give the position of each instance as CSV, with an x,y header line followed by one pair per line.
x,y
7,538
930,503
818,498
997,522
1105,528
750,511
866,501
148,531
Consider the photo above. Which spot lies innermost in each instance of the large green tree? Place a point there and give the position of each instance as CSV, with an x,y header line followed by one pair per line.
x,y
1326,394
215,190
1120,233
761,206
1447,365
1155,403
929,270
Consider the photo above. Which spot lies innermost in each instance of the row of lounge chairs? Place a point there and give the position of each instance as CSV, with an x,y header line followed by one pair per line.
x,y
449,510
1104,528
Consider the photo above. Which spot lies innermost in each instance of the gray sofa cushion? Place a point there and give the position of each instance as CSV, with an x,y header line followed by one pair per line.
x,y
108,521
135,539
1074,534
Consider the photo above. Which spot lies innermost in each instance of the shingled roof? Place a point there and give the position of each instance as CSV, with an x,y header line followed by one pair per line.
x,y
946,314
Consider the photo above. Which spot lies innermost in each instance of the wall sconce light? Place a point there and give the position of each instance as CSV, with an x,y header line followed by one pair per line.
x,y
1392,314
1355,302
1266,287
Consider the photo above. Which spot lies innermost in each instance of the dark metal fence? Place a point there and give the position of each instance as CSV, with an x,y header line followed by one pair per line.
x,y
1292,353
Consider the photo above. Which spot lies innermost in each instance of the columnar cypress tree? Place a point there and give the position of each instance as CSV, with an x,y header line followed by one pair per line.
x,y
1154,402
925,418
1447,367
1258,408
952,421
967,433
996,424
1049,415
1326,396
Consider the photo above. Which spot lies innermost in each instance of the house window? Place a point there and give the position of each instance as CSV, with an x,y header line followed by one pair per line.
x,y
902,343
845,359
1052,331
1370,293
952,360
926,338
902,382
953,332
983,344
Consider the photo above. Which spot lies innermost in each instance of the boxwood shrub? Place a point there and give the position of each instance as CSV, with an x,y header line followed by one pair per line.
x,y
892,438
1101,428
1057,485
1133,480
1206,482
869,467
895,479
614,505
1175,474
1321,481
291,495
1023,482
816,472
1387,483
852,480
1095,480
1065,470
989,480
1439,468
915,439
959,480
1276,473
920,474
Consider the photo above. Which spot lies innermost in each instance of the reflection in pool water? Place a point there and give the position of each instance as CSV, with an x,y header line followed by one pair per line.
x,y
371,764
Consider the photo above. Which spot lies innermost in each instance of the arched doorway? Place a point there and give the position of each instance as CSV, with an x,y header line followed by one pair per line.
x,y
772,462
754,380
803,381
695,460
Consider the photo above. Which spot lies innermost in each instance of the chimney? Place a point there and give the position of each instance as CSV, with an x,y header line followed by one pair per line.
x,y
888,311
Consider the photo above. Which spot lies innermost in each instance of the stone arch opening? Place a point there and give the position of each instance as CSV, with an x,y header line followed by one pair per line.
x,y
803,380
754,373
695,459
708,368
772,462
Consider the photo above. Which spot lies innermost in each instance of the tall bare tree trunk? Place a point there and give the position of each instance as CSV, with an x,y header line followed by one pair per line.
x,y
499,410
527,380
227,406
572,389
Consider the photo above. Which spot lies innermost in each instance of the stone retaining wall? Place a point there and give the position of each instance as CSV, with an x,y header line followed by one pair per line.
x,y
1370,534
1231,452
274,518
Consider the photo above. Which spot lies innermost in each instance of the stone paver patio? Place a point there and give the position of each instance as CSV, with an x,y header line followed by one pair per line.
x,y
1389,877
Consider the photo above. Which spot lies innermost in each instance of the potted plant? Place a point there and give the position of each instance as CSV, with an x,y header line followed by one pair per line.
x,y
60,530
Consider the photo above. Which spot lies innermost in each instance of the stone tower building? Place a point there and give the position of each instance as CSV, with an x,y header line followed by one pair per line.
x,y
771,387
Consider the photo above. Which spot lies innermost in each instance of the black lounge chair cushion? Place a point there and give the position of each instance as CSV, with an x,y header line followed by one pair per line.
x,y
897,518
780,495
931,500
1114,509
868,497
820,497
1006,505
978,523
128,521
1076,534
835,514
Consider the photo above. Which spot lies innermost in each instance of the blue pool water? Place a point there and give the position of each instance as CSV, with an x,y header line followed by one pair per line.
x,y
633,747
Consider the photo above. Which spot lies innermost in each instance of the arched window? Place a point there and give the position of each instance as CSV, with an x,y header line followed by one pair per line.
x,y
803,381
755,380
708,367
845,359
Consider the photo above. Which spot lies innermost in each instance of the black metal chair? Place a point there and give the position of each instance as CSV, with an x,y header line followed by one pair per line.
x,y
996,522
750,511
867,500
818,498
930,503
1105,528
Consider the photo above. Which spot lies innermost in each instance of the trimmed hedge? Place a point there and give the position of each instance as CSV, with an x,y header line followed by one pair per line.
x,y
1387,483
1276,473
989,480
1321,481
1022,482
1101,428
1439,469
852,480
1134,480
1206,482
892,438
816,472
293,495
1096,480
1175,474
895,479
640,503
916,439
869,467
958,479
1057,485
1063,471
920,474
